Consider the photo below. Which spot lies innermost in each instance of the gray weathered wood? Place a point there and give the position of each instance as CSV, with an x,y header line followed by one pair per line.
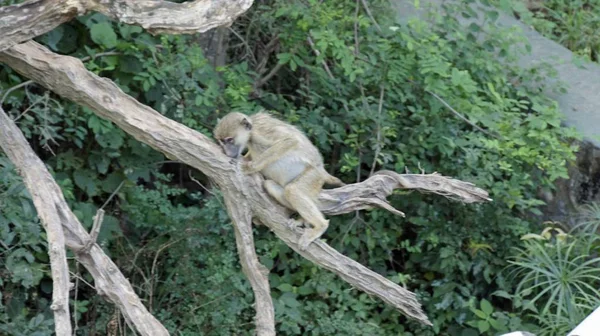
x,y
39,183
54,211
22,22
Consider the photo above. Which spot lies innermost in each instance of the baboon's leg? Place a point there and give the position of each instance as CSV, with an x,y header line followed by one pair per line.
x,y
301,195
276,191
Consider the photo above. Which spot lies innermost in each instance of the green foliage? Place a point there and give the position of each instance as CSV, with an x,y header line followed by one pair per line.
x,y
572,23
24,263
370,96
558,274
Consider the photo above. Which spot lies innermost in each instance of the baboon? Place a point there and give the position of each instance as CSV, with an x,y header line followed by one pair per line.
x,y
291,164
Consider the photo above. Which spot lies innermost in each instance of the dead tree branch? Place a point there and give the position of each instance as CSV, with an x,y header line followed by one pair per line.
x,y
22,22
374,191
67,77
240,212
15,146
53,211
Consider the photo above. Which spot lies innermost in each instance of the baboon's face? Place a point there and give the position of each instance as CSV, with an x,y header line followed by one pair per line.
x,y
232,133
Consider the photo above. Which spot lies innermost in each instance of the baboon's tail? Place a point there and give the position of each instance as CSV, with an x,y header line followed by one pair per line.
x,y
332,180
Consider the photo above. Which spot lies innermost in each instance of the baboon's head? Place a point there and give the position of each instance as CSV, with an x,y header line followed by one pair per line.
x,y
233,132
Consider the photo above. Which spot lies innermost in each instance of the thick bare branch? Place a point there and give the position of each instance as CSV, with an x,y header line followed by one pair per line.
x,y
257,273
23,157
67,77
22,22
159,16
53,210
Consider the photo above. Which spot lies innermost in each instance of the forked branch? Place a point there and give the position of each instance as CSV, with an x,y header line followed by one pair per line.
x,y
67,77
54,211
28,165
374,191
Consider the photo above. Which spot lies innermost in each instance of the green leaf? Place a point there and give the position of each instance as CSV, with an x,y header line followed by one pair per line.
x,y
85,180
285,287
479,313
492,15
305,290
483,326
54,37
289,300
284,58
497,324
486,306
503,294
104,35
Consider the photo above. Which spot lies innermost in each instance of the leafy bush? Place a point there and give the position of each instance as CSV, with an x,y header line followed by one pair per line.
x,y
558,274
574,24
372,94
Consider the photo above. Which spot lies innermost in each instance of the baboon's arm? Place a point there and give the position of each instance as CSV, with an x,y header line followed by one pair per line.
x,y
271,154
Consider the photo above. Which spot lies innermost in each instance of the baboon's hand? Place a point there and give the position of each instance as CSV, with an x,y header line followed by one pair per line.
x,y
248,167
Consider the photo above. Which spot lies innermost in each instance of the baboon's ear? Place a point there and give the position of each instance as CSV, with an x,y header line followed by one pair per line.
x,y
247,123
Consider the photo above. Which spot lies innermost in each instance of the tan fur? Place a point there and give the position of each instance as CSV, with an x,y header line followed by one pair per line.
x,y
291,164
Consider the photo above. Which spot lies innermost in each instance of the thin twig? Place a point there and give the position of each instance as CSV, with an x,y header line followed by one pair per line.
x,y
318,53
95,230
16,87
245,43
113,194
212,301
460,115
271,73
356,45
75,326
152,270
326,67
101,54
266,53
378,143
42,98
364,2
82,280
205,188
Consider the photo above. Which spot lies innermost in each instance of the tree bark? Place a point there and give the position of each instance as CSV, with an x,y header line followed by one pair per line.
x,y
54,211
22,22
240,212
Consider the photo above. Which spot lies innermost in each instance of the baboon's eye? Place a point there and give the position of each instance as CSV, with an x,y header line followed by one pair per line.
x,y
228,140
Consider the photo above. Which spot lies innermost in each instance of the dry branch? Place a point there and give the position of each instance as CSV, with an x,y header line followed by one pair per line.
x,y
22,22
160,16
67,77
257,273
29,166
374,191
53,210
